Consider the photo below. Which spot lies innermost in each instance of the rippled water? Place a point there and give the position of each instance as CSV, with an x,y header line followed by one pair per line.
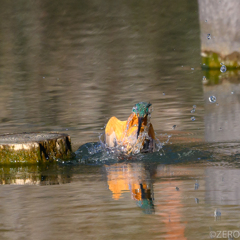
x,y
68,66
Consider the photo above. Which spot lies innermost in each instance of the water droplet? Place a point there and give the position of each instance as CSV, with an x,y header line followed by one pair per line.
x,y
217,213
204,79
196,186
193,110
192,68
163,93
209,36
212,99
174,126
194,106
177,188
193,118
232,92
223,68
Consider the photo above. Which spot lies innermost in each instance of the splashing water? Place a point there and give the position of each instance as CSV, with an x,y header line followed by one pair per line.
x,y
212,99
204,80
223,69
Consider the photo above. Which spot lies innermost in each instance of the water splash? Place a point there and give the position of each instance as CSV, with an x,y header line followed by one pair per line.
x,y
212,99
223,69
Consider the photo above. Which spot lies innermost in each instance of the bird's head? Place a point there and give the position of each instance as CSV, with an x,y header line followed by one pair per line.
x,y
141,110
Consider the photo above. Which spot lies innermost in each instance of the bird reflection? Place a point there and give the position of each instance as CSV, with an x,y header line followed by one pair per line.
x,y
135,178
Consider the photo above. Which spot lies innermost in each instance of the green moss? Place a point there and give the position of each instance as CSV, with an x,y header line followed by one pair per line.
x,y
213,60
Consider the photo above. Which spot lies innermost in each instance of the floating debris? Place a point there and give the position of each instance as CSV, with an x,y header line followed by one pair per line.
x,y
223,69
212,99
193,118
209,36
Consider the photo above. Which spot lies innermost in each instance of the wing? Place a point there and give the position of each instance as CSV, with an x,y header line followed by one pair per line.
x,y
114,131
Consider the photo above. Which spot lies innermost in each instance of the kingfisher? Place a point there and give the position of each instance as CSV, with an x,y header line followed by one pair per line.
x,y
134,135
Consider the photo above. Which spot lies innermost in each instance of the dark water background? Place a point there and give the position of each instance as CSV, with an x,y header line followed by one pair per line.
x,y
68,66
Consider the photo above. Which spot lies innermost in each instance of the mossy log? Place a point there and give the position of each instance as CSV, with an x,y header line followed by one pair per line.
x,y
220,38
34,147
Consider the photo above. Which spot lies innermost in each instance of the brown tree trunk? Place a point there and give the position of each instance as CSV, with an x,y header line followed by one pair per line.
x,y
34,147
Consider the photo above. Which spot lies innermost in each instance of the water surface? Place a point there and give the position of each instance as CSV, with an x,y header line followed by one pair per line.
x,y
68,66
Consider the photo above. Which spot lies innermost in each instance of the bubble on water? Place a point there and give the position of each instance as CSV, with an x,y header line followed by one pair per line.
x,y
163,93
209,36
192,68
223,68
232,92
212,99
193,110
194,106
174,126
193,118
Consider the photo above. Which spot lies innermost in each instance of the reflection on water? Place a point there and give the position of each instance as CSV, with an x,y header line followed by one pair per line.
x,y
98,199
222,117
134,178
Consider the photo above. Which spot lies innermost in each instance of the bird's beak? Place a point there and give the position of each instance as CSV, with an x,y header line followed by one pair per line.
x,y
139,125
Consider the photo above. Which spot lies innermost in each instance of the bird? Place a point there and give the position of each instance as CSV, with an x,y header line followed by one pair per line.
x,y
134,135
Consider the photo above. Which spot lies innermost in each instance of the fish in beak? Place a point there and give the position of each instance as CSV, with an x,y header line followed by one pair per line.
x,y
139,125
